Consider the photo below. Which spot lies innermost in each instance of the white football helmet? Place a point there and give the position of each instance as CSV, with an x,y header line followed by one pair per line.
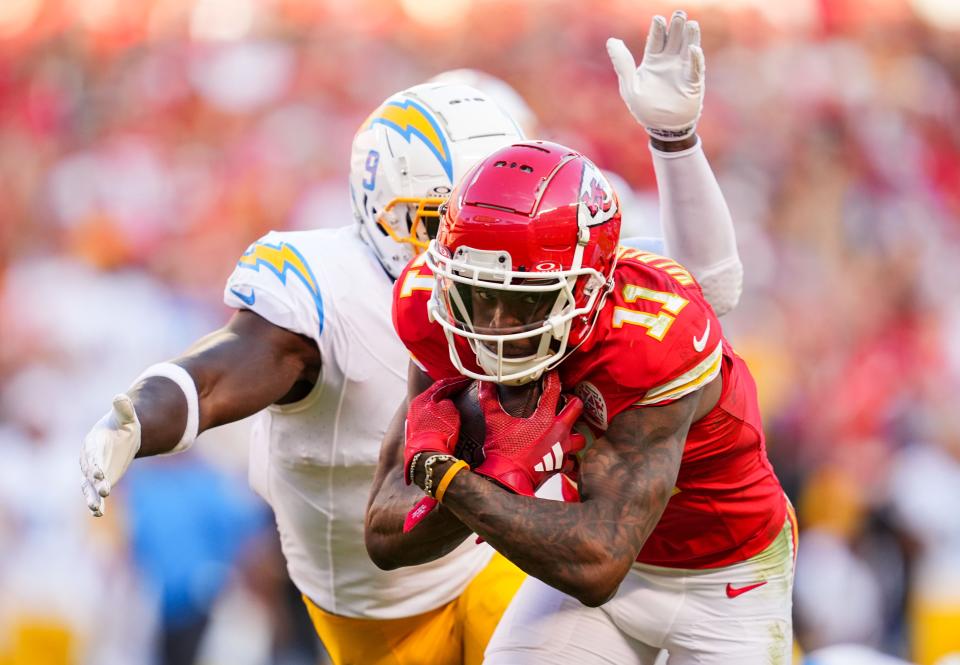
x,y
408,155
499,91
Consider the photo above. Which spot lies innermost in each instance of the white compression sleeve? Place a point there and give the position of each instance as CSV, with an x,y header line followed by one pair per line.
x,y
697,226
185,382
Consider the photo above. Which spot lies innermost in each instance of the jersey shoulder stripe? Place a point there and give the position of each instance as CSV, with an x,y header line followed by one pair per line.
x,y
283,259
686,383
680,275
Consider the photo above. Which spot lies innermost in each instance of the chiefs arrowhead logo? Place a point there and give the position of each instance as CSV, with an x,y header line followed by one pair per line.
x,y
597,202
596,199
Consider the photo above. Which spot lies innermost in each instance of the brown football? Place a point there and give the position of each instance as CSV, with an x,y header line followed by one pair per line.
x,y
518,401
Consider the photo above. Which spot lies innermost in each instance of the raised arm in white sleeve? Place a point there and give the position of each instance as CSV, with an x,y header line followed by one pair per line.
x,y
665,95
697,226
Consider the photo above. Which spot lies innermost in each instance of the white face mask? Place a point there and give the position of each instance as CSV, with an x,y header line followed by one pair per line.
x,y
517,325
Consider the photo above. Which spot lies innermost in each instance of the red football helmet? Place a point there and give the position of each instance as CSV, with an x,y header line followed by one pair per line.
x,y
524,259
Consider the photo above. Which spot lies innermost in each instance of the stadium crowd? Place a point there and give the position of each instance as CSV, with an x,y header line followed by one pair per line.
x,y
143,146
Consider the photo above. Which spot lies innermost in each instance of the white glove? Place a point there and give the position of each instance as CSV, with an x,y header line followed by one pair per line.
x,y
665,94
107,451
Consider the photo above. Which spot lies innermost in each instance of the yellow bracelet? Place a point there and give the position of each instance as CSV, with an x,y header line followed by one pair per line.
x,y
448,477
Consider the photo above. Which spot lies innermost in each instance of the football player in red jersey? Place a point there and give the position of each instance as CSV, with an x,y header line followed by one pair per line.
x,y
682,539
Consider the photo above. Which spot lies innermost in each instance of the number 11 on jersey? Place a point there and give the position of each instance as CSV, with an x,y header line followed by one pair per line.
x,y
658,324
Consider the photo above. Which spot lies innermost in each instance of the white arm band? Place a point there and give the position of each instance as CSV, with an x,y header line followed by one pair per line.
x,y
697,226
184,381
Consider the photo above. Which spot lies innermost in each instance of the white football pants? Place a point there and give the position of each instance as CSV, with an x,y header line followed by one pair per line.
x,y
736,614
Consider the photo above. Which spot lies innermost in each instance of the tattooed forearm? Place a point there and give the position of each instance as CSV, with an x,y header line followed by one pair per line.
x,y
391,499
585,549
438,534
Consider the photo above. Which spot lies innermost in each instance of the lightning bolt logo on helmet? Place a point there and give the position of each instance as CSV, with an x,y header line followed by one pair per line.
x,y
406,157
410,119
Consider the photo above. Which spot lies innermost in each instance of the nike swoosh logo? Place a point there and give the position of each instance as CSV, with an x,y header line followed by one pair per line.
x,y
698,344
734,592
249,298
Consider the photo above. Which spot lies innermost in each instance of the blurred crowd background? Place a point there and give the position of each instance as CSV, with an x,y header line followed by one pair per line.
x,y
144,144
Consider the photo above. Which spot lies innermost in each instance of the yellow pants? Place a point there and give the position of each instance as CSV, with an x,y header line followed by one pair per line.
x,y
37,640
934,629
454,634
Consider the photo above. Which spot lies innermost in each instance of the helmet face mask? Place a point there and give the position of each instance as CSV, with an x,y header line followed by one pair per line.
x,y
523,260
406,158
412,221
517,326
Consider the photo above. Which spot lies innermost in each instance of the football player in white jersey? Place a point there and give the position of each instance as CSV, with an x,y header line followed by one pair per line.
x,y
311,350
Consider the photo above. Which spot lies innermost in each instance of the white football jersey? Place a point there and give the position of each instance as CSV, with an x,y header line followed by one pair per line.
x,y
314,460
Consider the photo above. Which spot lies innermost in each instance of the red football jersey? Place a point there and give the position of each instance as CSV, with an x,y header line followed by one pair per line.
x,y
655,341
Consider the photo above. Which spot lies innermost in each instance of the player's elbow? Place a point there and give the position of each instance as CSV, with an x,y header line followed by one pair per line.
x,y
381,560
599,580
595,590
382,556
379,544
723,285
597,596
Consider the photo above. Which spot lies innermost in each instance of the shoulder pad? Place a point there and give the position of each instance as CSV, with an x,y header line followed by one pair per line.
x,y
274,279
660,338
